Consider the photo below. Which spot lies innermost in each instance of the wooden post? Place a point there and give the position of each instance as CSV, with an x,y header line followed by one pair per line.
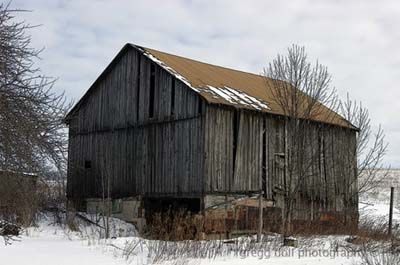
x,y
71,213
236,218
260,216
391,211
226,217
312,210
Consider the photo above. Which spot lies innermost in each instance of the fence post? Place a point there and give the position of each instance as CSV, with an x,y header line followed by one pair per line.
x,y
391,211
226,217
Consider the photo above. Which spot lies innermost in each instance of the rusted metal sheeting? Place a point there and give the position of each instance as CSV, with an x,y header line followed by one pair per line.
x,y
220,85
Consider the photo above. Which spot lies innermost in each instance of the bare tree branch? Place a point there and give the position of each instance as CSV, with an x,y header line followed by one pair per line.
x,y
371,147
32,134
302,91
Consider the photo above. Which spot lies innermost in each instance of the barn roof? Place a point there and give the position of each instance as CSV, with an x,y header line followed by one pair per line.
x,y
224,86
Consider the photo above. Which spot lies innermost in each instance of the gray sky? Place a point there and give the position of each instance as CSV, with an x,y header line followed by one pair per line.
x,y
359,41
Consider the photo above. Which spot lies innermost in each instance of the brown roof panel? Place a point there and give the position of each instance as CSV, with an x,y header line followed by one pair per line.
x,y
221,85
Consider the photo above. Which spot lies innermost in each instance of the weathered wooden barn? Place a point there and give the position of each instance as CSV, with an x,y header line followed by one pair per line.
x,y
159,129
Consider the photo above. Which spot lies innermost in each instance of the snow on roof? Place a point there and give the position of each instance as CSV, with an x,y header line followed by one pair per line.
x,y
231,95
167,68
236,97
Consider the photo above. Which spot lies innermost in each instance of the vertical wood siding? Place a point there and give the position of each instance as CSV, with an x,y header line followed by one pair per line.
x,y
142,155
233,165
236,165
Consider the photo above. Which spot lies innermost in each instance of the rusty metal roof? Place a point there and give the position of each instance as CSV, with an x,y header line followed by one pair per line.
x,y
221,85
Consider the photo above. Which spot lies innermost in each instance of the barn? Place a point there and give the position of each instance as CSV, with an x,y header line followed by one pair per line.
x,y
157,130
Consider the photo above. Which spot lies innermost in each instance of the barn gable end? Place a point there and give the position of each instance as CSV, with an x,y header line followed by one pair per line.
x,y
140,142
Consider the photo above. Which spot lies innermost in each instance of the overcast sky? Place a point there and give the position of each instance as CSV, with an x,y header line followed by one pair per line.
x,y
359,41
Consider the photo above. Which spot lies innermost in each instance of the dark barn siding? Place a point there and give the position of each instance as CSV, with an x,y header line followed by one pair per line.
x,y
112,129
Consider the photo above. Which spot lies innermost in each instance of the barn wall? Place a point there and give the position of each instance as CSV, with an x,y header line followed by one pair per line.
x,y
331,182
242,146
142,153
233,150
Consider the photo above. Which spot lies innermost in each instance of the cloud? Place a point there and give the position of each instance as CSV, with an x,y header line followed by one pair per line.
x,y
357,40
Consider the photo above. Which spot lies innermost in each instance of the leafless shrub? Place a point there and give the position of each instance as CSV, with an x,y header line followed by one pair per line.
x,y
179,252
379,257
175,225
54,199
19,198
331,227
9,231
373,229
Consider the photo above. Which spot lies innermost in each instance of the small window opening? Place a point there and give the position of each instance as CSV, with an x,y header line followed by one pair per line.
x,y
88,164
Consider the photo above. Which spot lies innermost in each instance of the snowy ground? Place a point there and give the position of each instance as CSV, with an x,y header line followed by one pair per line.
x,y
50,243
375,202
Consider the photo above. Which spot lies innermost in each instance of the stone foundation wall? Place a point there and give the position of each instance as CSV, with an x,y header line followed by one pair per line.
x,y
128,209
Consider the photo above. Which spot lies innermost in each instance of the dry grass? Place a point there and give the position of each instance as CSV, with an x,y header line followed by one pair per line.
x,y
380,257
175,226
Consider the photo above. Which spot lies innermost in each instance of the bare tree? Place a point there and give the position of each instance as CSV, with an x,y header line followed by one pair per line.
x,y
371,146
31,113
32,134
107,169
303,93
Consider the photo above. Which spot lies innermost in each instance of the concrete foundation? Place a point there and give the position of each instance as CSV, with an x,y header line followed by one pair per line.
x,y
128,209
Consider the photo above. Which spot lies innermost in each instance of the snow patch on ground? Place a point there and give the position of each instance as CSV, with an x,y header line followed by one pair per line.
x,y
51,243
